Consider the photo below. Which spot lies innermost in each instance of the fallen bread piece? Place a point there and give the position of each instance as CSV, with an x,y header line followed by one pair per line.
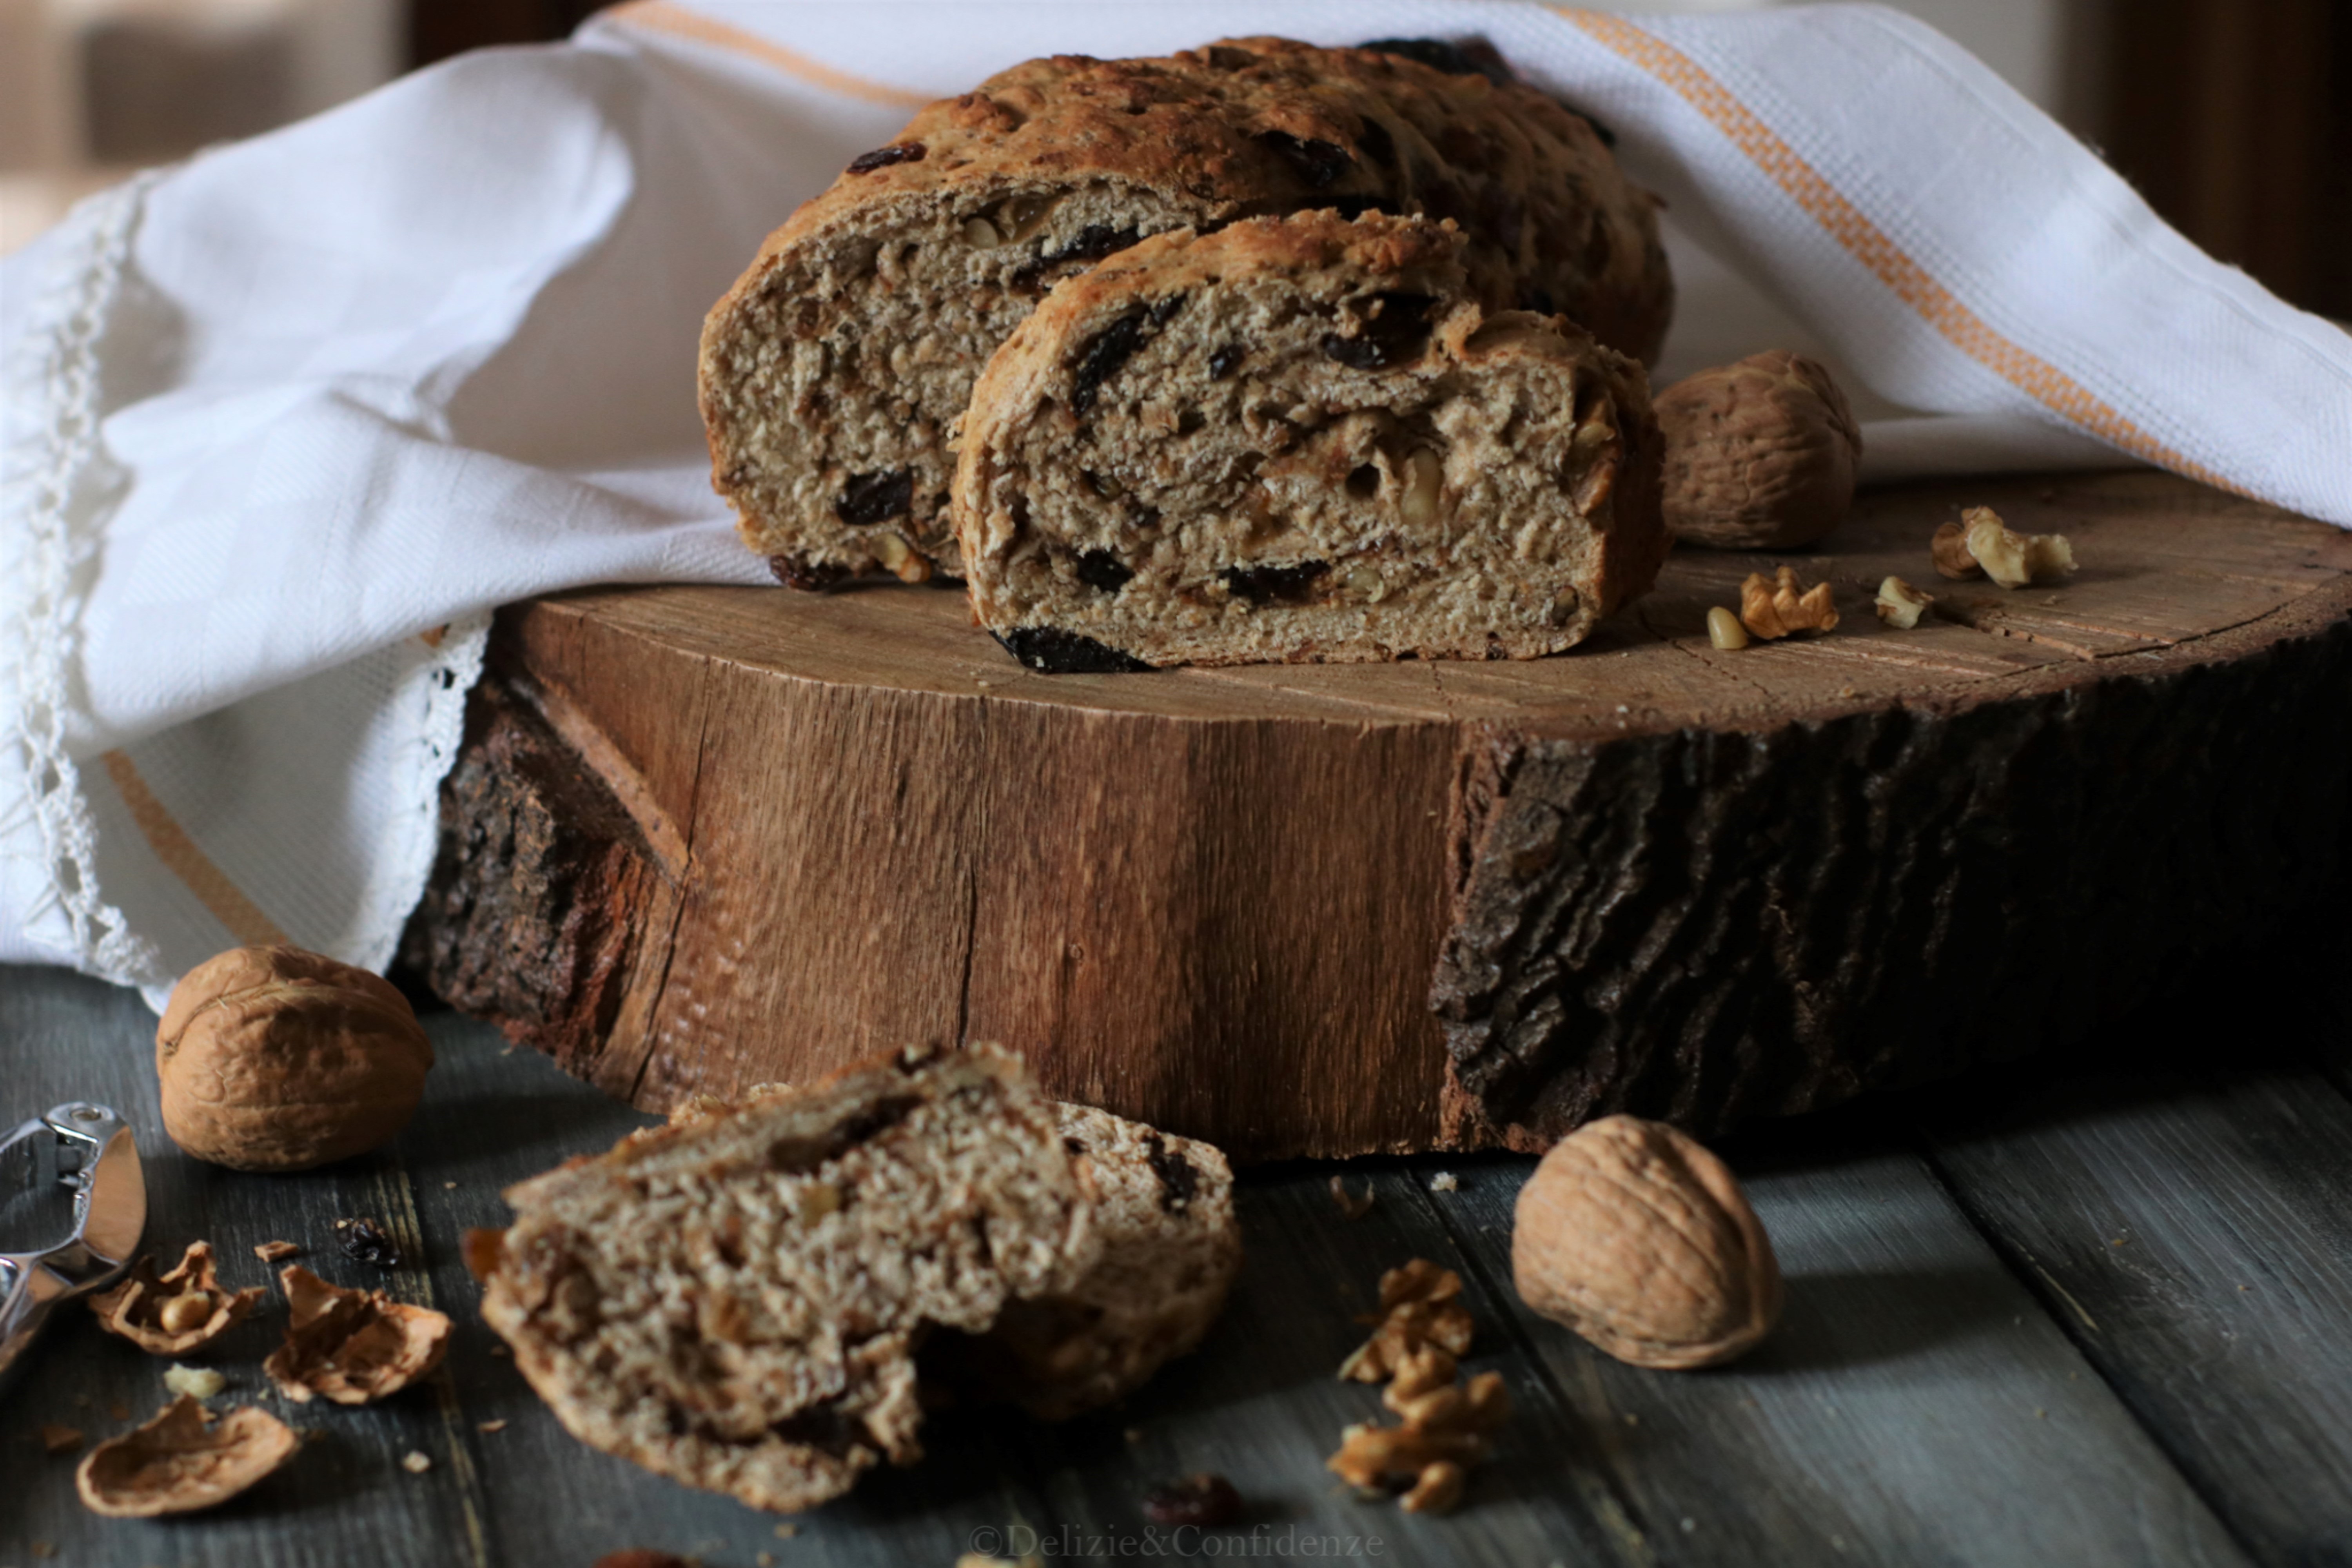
x,y
735,1300
833,372
1163,1214
1298,439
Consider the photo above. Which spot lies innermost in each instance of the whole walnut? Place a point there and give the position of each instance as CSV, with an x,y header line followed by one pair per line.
x,y
1639,1239
277,1059
1761,455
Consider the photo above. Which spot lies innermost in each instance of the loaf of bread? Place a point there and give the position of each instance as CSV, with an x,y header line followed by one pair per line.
x,y
736,1300
1301,438
833,373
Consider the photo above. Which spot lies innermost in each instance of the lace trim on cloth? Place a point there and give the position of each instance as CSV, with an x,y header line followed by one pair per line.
x,y
413,840
56,449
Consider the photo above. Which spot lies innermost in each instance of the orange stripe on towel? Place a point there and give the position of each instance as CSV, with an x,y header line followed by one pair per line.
x,y
660,17
1870,246
187,862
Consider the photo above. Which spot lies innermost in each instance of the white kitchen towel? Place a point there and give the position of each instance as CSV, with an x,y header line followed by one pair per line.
x,y
284,425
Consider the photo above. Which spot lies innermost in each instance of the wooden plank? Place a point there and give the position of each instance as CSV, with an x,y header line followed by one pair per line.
x,y
1915,1406
345,1497
1892,1419
2192,1233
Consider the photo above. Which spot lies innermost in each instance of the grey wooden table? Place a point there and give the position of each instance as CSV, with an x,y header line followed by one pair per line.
x,y
2085,1311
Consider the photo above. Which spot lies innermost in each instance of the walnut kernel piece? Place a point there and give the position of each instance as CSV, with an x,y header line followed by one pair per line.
x,y
196,1382
1724,630
1949,549
1418,1311
901,560
174,1313
2012,559
352,1346
1779,607
182,1461
1900,604
1761,455
1350,1205
1450,1425
1639,1239
277,1059
1438,1489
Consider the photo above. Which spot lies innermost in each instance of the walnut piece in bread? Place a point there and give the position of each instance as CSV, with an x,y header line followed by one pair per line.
x,y
835,372
1299,439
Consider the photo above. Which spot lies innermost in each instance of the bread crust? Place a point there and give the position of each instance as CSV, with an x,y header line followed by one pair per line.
x,y
1240,128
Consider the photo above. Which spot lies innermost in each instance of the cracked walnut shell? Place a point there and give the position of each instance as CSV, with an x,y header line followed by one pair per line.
x,y
174,1313
352,1346
1639,1239
1760,454
182,1461
273,1058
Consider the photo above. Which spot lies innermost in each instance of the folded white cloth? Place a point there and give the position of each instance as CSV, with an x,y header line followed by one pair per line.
x,y
283,425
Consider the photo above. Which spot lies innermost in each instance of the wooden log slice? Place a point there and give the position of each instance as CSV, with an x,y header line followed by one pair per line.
x,y
703,838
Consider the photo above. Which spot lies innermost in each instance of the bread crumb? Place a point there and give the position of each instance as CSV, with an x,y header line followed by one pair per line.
x,y
416,1462
1445,1181
498,1425
786,1531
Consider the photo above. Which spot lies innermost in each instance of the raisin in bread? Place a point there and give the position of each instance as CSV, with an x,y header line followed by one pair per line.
x,y
1299,439
833,373
1169,1250
734,1299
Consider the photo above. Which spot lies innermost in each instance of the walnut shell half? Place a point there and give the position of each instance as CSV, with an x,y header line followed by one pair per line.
x,y
352,1346
1760,454
182,1461
1640,1240
174,1313
273,1058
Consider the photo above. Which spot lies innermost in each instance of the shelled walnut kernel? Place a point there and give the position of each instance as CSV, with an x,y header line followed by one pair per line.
x,y
1900,604
1780,608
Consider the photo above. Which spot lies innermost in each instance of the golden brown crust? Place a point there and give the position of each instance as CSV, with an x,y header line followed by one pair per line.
x,y
1245,127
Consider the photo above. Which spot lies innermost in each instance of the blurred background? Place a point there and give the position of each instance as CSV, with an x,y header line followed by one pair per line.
x,y
2234,117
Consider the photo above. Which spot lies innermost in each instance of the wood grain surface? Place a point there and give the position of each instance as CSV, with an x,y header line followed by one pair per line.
x,y
1969,1370
702,838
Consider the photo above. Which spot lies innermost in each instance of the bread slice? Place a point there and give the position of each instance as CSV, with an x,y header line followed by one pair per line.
x,y
1170,1248
737,1299
835,372
1300,438
734,1299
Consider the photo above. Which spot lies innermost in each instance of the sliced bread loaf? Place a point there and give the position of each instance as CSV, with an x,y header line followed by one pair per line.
x,y
1301,438
835,372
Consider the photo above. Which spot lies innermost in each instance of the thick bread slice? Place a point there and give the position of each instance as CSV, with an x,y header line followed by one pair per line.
x,y
734,1299
1170,1250
835,372
1298,438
